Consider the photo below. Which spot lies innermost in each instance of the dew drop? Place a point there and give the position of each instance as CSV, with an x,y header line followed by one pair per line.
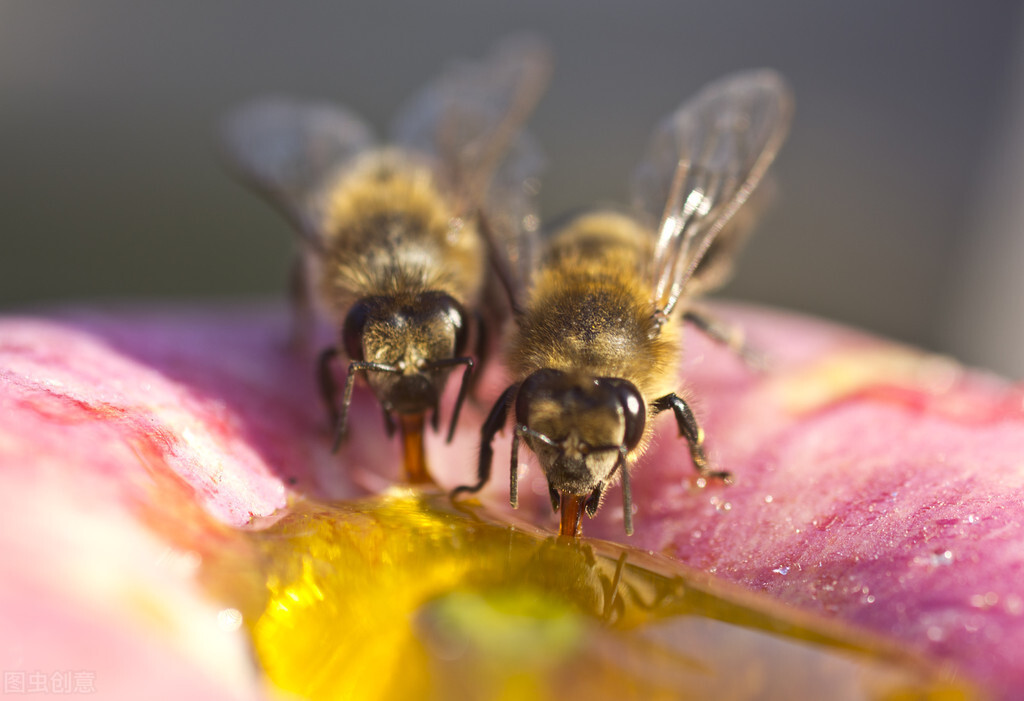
x,y
720,504
768,498
781,570
984,601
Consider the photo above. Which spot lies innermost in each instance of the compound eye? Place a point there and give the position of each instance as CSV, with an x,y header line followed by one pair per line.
x,y
352,331
542,384
457,316
634,413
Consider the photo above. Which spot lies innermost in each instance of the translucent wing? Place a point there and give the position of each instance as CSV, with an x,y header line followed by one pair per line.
x,y
715,267
470,120
471,116
288,151
510,220
701,166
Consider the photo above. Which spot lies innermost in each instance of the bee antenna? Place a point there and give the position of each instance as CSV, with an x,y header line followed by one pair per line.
x,y
463,391
536,435
495,420
513,475
627,495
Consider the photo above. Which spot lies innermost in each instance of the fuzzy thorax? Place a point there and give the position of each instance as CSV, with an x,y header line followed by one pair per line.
x,y
591,315
393,229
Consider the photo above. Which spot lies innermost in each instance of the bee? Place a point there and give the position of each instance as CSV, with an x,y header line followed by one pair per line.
x,y
391,248
597,341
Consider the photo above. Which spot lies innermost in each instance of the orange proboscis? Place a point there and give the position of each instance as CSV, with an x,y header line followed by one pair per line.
x,y
415,456
571,523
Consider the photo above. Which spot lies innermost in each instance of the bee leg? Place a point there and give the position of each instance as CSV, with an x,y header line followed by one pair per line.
x,y
481,351
498,263
728,335
468,379
328,387
302,307
495,420
341,425
693,434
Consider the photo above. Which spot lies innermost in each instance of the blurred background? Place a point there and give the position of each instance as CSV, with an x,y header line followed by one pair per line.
x,y
900,203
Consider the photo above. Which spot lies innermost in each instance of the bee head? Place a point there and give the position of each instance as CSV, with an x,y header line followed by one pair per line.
x,y
580,427
412,341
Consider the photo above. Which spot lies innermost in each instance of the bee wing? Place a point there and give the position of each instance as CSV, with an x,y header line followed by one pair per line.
x,y
470,117
288,151
470,120
702,164
510,219
715,267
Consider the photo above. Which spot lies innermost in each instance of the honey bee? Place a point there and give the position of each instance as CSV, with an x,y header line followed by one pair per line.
x,y
391,248
598,335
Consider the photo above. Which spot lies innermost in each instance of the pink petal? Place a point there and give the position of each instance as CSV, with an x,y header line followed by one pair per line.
x,y
875,484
